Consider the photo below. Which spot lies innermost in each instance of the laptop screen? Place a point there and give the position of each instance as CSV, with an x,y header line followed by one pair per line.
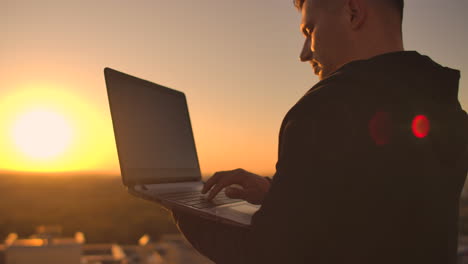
x,y
152,130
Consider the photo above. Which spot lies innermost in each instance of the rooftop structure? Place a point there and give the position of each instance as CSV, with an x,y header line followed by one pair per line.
x,y
44,247
43,251
175,249
103,253
47,246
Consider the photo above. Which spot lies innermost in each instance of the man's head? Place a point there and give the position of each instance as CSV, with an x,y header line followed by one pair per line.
x,y
398,5
340,31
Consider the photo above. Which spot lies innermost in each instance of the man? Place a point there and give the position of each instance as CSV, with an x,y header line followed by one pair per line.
x,y
372,159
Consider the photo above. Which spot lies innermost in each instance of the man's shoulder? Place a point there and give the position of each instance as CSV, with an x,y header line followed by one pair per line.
x,y
336,93
335,83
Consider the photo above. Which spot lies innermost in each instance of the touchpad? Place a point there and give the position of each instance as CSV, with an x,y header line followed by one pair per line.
x,y
248,209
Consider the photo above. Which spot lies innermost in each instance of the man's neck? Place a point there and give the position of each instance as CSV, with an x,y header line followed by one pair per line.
x,y
369,51
374,48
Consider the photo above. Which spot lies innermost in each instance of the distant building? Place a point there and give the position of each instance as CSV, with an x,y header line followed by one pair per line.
x,y
142,254
43,251
175,249
43,247
103,254
47,246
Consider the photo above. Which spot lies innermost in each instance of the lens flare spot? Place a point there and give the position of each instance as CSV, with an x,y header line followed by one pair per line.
x,y
420,126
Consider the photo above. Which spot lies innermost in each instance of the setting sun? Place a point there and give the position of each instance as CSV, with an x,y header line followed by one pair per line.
x,y
45,128
42,134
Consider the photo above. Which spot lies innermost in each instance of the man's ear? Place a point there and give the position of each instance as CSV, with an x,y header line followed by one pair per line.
x,y
357,12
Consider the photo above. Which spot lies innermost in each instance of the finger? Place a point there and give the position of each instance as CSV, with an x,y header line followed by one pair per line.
x,y
225,181
235,193
217,177
211,181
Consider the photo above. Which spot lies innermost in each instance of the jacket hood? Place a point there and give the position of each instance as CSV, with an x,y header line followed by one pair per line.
x,y
420,86
412,74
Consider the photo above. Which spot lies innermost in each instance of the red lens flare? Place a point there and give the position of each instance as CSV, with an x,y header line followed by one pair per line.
x,y
420,126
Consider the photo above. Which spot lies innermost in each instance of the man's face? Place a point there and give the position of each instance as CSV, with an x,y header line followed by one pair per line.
x,y
324,28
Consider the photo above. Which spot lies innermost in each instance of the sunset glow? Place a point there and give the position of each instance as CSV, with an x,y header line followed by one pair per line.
x,y
42,134
237,65
49,130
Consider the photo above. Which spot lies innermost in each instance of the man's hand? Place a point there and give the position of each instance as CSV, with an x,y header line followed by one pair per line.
x,y
254,187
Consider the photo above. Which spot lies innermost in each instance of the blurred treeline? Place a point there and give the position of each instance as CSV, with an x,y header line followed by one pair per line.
x,y
98,206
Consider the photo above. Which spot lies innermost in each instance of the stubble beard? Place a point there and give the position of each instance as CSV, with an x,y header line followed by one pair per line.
x,y
317,69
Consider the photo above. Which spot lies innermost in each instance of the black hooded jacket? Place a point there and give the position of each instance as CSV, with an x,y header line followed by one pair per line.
x,y
371,164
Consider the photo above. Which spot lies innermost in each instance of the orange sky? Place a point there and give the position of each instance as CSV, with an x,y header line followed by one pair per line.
x,y
237,62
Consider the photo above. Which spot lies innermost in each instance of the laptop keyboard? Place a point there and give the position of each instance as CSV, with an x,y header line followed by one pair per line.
x,y
198,200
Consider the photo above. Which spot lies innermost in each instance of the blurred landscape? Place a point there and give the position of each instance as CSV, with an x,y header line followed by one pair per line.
x,y
463,218
96,205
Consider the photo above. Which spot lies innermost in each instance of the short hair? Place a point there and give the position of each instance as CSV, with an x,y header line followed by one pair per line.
x,y
398,5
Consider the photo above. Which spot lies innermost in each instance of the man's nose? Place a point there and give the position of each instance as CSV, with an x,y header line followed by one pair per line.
x,y
306,53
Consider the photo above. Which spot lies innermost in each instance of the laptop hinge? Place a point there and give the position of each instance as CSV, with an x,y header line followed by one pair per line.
x,y
143,185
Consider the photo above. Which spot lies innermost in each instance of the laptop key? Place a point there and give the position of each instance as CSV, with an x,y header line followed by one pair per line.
x,y
189,199
204,205
194,202
197,200
180,195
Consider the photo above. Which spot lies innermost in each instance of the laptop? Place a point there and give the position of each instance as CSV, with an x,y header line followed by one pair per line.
x,y
156,149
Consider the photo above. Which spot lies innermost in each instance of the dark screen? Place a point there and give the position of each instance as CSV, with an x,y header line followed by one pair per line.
x,y
152,127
